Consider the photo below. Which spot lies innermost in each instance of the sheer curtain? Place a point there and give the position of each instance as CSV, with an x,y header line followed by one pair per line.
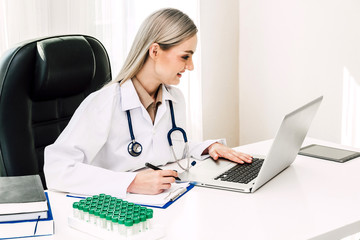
x,y
113,22
350,131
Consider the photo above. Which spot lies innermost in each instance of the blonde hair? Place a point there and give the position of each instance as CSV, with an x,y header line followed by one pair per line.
x,y
166,27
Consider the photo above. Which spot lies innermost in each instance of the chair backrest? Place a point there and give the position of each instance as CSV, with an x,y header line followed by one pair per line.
x,y
42,82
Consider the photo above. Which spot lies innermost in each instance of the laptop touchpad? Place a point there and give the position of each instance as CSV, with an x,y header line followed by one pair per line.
x,y
210,166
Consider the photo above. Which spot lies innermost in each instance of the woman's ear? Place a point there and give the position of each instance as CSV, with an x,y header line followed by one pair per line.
x,y
154,51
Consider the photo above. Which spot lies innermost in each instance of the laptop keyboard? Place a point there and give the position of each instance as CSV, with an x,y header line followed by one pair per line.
x,y
242,173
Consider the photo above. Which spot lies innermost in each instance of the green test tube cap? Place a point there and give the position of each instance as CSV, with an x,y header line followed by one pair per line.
x,y
86,208
149,213
109,217
115,219
103,215
136,219
121,220
92,210
97,212
142,217
81,207
129,222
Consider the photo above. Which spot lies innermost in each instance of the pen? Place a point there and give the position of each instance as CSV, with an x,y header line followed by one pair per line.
x,y
178,193
149,165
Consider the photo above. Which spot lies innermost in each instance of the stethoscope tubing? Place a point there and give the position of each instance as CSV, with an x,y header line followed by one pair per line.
x,y
130,125
135,151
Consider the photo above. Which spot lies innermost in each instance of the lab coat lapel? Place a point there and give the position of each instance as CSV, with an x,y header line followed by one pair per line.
x,y
130,99
164,105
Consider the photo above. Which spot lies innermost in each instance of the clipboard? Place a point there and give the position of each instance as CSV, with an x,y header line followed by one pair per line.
x,y
171,201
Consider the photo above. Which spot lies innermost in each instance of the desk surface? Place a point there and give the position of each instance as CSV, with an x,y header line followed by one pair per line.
x,y
312,199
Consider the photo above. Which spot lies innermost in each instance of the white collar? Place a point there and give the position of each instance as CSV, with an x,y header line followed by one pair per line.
x,y
130,99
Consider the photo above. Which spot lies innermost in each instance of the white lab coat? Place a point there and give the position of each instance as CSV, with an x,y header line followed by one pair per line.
x,y
91,157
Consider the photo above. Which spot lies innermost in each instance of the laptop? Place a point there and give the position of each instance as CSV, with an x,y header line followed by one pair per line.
x,y
226,175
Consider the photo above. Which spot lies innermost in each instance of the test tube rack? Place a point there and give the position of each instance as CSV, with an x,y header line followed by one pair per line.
x,y
108,217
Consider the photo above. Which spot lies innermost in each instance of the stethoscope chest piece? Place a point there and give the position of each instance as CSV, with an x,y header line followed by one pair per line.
x,y
134,148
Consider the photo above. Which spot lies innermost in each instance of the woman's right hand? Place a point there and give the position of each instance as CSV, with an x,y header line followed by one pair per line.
x,y
152,182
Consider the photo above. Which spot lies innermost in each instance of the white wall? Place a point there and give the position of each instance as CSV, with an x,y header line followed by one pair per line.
x,y
291,52
219,69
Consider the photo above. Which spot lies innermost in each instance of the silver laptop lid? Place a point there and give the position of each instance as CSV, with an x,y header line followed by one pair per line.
x,y
287,142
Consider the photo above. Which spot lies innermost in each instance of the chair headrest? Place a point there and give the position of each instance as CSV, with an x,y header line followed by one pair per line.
x,y
65,66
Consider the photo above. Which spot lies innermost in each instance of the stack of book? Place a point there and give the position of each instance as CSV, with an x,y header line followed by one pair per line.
x,y
24,208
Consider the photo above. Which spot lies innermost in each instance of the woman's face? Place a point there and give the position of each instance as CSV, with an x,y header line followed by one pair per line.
x,y
172,63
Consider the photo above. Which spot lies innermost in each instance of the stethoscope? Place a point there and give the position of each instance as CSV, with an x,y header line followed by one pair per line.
x,y
135,148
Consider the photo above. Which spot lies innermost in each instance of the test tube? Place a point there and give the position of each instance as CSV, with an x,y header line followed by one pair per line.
x,y
91,215
136,227
149,216
142,222
129,227
97,220
76,210
115,224
121,226
103,220
81,213
86,210
109,222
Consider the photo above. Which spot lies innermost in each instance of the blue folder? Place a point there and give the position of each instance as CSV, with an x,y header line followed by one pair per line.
x,y
35,221
170,202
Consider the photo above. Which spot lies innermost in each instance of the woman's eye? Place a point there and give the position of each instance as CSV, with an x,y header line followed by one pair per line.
x,y
185,57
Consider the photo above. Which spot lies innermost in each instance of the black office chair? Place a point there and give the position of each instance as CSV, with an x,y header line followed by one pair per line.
x,y
42,82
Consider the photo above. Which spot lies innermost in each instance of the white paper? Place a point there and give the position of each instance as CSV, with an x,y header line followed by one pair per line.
x,y
159,199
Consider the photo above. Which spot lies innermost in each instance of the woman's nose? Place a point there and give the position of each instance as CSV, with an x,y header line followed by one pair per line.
x,y
190,65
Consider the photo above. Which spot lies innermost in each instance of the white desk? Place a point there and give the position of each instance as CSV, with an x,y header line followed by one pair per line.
x,y
313,198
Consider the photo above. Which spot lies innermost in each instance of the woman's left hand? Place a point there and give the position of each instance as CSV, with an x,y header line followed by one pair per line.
x,y
217,150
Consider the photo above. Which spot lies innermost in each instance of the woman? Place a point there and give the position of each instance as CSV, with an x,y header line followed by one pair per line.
x,y
93,153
